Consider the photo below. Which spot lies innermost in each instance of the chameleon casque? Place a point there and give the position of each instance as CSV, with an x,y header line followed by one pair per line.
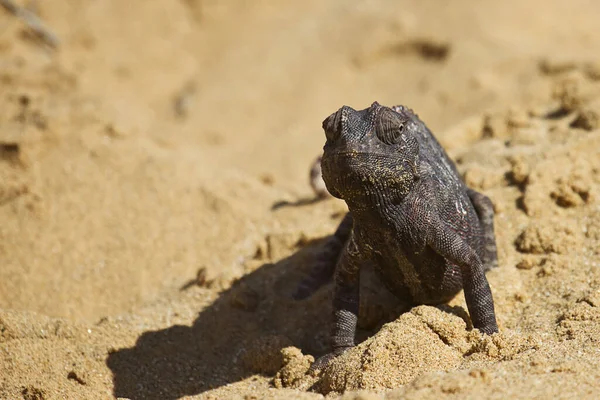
x,y
411,217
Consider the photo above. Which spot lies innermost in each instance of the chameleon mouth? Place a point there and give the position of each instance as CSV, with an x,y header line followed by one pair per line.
x,y
356,174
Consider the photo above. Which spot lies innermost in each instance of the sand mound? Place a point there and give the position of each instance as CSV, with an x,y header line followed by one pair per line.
x,y
401,351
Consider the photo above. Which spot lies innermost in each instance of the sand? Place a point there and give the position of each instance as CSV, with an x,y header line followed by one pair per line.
x,y
155,211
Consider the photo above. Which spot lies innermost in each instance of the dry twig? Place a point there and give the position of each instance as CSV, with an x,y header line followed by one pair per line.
x,y
33,22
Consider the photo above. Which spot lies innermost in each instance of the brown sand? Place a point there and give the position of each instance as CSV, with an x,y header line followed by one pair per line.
x,y
139,163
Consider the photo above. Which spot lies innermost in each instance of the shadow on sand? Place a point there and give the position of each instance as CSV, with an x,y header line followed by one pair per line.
x,y
187,360
257,309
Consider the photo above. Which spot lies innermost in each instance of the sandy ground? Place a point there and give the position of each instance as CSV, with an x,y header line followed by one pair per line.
x,y
141,253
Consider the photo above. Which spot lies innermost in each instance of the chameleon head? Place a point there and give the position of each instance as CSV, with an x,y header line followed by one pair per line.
x,y
371,154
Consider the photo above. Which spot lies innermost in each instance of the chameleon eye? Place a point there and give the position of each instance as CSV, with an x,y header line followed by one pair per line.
x,y
389,130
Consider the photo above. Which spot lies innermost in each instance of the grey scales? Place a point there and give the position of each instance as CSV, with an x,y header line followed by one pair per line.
x,y
410,216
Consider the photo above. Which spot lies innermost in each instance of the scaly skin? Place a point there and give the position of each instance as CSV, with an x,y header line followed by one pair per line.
x,y
410,216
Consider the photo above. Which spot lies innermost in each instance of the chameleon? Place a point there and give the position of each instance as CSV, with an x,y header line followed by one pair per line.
x,y
410,216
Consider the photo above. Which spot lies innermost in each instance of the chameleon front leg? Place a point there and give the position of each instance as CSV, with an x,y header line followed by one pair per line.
x,y
485,212
476,288
345,304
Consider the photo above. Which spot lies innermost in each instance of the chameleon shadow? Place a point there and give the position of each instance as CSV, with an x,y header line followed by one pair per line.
x,y
187,360
214,351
